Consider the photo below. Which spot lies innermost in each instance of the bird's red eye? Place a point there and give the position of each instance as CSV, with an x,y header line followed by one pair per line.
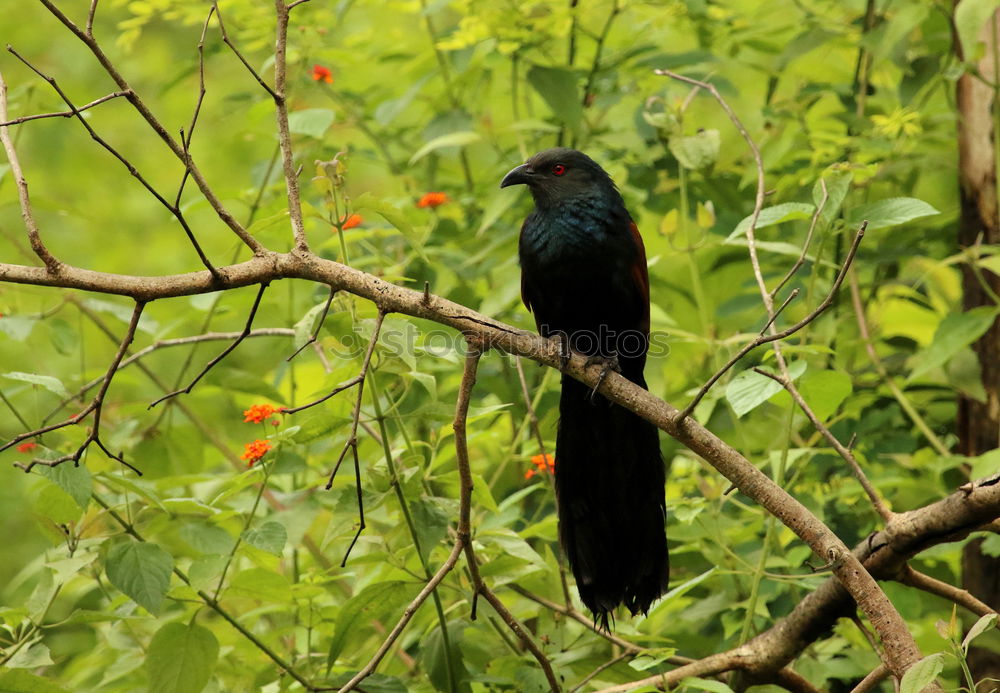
x,y
558,169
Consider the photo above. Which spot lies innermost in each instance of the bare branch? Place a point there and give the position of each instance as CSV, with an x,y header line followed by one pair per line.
x,y
880,507
96,406
464,532
236,51
62,114
319,325
805,244
874,678
225,352
758,163
52,265
89,30
186,141
284,134
914,578
173,209
157,127
777,335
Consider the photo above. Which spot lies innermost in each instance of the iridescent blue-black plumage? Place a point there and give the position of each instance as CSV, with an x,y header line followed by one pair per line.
x,y
583,275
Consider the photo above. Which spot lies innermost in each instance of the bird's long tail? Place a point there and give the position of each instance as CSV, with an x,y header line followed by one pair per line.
x,y
609,484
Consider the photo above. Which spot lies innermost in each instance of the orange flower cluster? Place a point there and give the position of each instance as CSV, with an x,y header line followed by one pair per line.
x,y
351,221
259,412
433,199
252,452
543,463
322,74
27,447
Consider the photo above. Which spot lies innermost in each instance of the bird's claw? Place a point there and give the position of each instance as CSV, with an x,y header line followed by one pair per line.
x,y
607,363
564,352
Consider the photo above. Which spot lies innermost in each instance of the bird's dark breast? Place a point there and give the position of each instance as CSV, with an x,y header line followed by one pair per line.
x,y
577,277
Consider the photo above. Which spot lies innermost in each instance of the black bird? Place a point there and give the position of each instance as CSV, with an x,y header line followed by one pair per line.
x,y
583,274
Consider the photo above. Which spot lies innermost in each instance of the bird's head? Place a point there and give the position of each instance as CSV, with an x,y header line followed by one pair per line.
x,y
555,175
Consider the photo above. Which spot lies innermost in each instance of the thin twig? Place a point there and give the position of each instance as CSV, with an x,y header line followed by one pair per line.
x,y
319,325
236,51
96,406
777,335
758,164
479,587
922,581
87,38
90,18
62,114
805,244
874,678
225,352
880,507
186,141
51,263
177,341
356,380
359,380
284,134
129,166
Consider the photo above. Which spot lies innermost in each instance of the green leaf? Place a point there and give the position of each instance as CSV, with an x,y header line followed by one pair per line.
x,y
435,663
373,602
73,480
452,139
393,215
261,584
17,327
838,182
697,151
431,522
181,658
891,212
142,571
824,391
51,384
20,681
749,390
313,122
921,674
269,537
698,684
956,331
970,16
769,216
306,324
205,537
559,88
978,628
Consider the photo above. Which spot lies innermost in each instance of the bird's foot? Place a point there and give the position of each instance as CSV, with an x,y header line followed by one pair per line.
x,y
607,363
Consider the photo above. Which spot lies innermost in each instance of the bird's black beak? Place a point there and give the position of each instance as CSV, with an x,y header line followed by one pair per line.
x,y
522,175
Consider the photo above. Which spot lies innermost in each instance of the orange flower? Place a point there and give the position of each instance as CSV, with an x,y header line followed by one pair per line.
x,y
252,452
351,221
259,412
433,199
322,74
27,447
543,463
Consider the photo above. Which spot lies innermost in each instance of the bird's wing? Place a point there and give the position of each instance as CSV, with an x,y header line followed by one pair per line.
x,y
639,272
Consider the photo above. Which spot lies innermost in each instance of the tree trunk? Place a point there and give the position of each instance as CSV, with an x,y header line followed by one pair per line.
x,y
978,424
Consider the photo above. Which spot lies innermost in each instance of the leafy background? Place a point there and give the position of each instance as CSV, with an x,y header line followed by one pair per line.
x,y
446,97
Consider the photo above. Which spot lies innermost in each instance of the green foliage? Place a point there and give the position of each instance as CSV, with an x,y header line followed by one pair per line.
x,y
446,97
